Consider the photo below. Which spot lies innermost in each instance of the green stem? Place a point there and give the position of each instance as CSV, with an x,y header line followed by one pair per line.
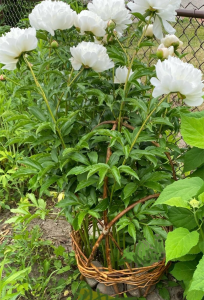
x,y
46,101
86,237
122,47
82,238
69,84
11,80
94,230
128,74
196,219
144,123
103,248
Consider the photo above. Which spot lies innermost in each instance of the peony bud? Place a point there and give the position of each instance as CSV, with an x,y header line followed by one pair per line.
x,y
2,77
148,30
111,25
171,40
54,45
163,52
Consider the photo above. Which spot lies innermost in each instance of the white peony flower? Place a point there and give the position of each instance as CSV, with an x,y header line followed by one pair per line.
x,y
163,52
171,40
112,10
89,21
121,74
14,43
176,76
164,12
148,30
52,15
90,55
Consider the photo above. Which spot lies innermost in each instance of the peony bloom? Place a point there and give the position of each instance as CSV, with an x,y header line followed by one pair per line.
x,y
90,55
14,43
148,30
163,52
121,74
172,40
164,11
112,10
89,21
175,76
52,15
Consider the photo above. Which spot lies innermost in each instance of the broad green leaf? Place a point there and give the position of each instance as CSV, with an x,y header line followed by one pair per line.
x,y
128,170
139,16
148,234
192,130
194,295
132,231
159,231
178,202
31,163
179,242
193,159
38,113
129,189
181,217
24,172
184,270
116,174
85,183
186,189
198,277
16,276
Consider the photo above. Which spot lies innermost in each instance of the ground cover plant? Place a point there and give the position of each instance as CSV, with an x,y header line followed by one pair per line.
x,y
85,118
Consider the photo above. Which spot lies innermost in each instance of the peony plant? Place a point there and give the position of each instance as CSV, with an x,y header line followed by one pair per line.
x,y
97,119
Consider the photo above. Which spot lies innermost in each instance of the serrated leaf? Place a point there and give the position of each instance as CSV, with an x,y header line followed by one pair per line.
x,y
129,189
102,205
128,170
148,234
85,183
180,242
77,170
181,217
116,174
132,231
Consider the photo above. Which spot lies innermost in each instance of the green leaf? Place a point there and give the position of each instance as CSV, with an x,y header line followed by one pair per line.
x,y
81,216
164,293
181,217
193,159
139,16
48,183
97,93
198,277
186,189
148,234
184,270
128,170
93,157
192,130
79,158
102,205
24,172
129,189
31,163
37,112
77,170
194,295
116,174
132,231
180,242
96,168
102,174
85,183
160,222
178,202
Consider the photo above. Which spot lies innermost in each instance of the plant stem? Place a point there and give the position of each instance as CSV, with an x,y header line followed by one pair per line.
x,y
128,74
46,101
86,237
196,219
69,84
143,125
